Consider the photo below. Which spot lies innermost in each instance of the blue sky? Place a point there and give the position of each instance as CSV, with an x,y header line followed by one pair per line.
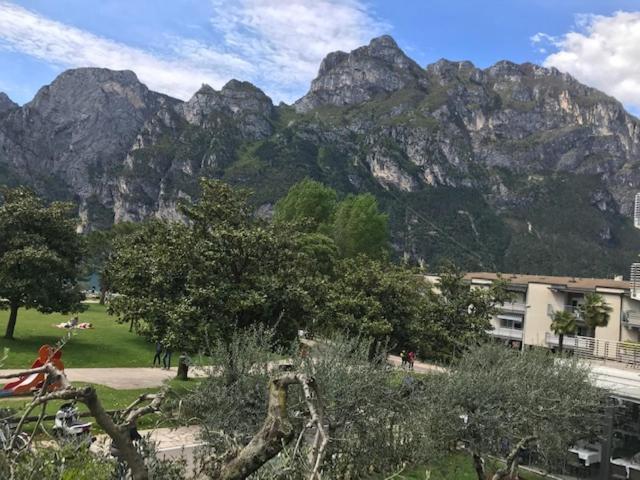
x,y
174,46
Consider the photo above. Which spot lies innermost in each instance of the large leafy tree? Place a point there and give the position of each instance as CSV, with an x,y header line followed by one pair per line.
x,y
360,228
309,204
595,311
377,299
190,283
40,255
563,323
463,314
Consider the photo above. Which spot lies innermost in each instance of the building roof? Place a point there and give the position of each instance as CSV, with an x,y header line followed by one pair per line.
x,y
563,282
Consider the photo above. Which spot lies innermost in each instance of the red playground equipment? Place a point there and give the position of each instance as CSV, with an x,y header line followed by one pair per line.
x,y
26,384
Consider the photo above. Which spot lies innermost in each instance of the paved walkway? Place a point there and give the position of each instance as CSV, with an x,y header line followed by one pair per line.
x,y
122,378
133,378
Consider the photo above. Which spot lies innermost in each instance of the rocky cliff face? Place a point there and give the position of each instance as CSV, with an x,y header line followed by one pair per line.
x,y
513,167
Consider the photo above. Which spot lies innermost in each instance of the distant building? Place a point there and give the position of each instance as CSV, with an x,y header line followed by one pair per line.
x,y
636,212
526,320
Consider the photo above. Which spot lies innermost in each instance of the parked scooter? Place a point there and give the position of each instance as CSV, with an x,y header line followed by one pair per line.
x,y
67,425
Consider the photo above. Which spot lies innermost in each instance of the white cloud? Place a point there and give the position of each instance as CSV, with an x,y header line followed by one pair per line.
x,y
289,38
24,31
277,44
604,52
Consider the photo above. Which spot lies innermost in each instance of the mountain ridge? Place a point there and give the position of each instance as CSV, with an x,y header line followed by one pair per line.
x,y
485,157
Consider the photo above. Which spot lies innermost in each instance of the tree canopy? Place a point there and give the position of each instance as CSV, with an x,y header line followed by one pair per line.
x,y
188,283
360,228
308,203
462,313
503,402
40,255
355,223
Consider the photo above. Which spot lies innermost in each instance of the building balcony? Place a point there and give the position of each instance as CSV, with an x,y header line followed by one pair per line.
x,y
631,319
508,333
567,308
569,341
515,307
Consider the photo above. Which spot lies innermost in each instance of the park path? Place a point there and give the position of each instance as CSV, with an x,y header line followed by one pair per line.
x,y
146,377
122,378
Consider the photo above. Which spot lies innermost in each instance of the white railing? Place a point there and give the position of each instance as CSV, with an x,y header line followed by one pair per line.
x,y
590,348
503,332
513,307
567,308
631,319
569,341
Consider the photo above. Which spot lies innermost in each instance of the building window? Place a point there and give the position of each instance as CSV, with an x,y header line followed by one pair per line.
x,y
505,323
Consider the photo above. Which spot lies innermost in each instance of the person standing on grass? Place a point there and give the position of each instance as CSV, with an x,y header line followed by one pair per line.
x,y
411,357
158,353
166,359
403,357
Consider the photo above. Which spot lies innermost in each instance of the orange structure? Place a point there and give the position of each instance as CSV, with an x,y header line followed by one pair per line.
x,y
26,384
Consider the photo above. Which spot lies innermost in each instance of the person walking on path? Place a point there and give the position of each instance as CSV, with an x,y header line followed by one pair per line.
x,y
403,357
166,359
411,357
158,354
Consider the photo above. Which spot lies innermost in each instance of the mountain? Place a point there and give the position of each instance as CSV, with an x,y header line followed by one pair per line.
x,y
511,168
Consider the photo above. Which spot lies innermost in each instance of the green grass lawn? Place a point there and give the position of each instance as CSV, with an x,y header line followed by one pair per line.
x,y
457,466
109,344
111,399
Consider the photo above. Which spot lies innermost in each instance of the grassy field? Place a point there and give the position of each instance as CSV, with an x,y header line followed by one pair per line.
x,y
457,466
109,344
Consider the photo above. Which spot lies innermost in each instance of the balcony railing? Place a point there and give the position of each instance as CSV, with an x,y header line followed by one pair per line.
x,y
631,319
516,307
567,308
569,341
595,349
504,332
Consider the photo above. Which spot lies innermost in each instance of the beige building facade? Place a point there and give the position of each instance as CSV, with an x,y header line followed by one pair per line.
x,y
526,320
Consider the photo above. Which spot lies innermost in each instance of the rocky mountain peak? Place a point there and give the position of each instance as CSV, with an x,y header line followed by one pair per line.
x,y
6,103
445,71
78,92
366,72
242,101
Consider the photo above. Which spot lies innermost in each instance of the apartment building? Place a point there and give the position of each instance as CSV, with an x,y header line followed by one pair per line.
x,y
526,320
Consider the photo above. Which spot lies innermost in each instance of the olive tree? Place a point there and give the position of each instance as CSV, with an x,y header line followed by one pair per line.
x,y
504,402
363,419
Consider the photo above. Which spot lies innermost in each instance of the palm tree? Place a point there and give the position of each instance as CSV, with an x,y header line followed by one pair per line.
x,y
563,323
595,311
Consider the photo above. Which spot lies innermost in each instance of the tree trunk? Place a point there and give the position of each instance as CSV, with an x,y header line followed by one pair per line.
x,y
276,432
478,465
11,325
510,470
121,437
183,368
560,342
103,296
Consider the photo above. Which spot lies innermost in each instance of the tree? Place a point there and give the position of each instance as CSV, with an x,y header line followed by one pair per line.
x,y
368,420
509,404
595,311
359,228
462,313
40,255
99,249
190,283
377,299
563,323
309,204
